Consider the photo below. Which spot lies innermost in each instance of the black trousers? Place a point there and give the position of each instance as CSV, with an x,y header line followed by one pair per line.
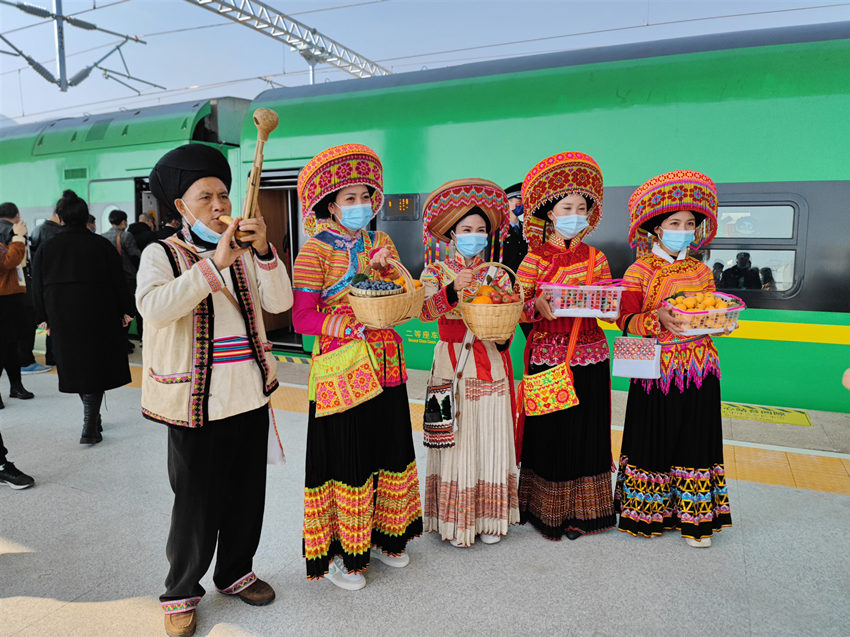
x,y
28,327
218,475
11,320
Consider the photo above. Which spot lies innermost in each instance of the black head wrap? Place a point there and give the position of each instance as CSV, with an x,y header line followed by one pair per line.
x,y
475,210
178,169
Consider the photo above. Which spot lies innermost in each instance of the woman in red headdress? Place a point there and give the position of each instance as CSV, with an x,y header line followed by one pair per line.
x,y
565,477
361,496
671,464
471,485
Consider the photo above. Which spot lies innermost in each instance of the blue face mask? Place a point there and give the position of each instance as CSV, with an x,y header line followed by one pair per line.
x,y
471,244
570,225
202,230
356,217
677,240
518,212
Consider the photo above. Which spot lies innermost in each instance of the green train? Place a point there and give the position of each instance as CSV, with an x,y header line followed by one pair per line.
x,y
764,113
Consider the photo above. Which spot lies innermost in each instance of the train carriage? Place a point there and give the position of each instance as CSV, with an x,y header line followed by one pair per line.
x,y
763,112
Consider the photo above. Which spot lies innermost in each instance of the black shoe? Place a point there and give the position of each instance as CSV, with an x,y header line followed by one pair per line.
x,y
91,419
10,475
89,437
20,392
1,403
572,534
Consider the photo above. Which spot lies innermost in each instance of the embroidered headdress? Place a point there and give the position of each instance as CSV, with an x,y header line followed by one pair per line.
x,y
672,192
450,202
334,169
551,180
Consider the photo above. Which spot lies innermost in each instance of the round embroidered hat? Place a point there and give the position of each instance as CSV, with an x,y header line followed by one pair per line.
x,y
672,192
334,169
568,173
448,204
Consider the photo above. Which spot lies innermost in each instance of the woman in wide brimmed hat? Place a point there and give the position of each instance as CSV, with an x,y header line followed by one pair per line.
x,y
471,485
565,477
671,464
361,496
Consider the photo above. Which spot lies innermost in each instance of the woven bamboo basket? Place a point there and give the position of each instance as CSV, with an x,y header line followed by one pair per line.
x,y
493,322
381,312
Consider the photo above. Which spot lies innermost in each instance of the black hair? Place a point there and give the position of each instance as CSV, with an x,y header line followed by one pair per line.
x,y
323,211
651,224
72,210
117,217
475,210
8,210
543,211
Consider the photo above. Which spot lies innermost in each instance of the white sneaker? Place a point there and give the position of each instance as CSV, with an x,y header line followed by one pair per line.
x,y
704,543
397,561
490,539
457,544
339,576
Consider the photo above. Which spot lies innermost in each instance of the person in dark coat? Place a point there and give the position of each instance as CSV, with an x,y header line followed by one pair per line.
x,y
143,230
79,289
515,247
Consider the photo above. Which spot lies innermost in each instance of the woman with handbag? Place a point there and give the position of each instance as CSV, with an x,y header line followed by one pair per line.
x,y
471,484
361,496
564,424
671,473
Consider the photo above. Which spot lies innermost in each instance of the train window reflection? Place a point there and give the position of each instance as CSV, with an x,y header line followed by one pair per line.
x,y
755,222
767,270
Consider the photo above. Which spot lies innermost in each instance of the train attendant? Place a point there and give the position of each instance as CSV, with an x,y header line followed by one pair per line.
x,y
208,374
361,494
565,479
671,466
471,485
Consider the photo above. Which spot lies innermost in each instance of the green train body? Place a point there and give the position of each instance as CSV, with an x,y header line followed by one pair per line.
x,y
763,113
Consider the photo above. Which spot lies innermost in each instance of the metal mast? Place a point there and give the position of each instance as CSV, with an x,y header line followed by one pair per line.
x,y
313,46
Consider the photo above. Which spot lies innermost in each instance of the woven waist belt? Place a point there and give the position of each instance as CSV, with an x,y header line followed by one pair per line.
x,y
232,349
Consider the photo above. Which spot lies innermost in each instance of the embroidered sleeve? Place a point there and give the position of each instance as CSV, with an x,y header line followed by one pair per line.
x,y
273,283
383,240
642,323
163,298
308,274
267,262
307,319
527,277
439,299
211,274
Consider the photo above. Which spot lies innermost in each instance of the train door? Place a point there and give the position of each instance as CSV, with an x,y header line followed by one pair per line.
x,y
278,203
106,195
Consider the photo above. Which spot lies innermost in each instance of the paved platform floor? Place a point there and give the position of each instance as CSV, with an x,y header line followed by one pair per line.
x,y
83,552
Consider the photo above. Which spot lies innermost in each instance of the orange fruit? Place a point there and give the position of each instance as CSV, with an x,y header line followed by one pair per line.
x,y
417,283
485,300
720,304
689,301
700,297
486,290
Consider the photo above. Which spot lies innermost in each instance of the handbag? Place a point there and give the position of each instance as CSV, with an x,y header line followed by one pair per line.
x,y
636,356
342,378
553,389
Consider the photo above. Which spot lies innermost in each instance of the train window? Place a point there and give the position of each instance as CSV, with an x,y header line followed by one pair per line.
x,y
400,208
755,222
752,269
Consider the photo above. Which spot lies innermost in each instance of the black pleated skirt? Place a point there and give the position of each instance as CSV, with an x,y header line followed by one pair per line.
x,y
565,478
671,473
361,483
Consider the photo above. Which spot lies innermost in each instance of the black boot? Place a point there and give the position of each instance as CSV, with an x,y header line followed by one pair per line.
x,y
19,391
91,419
1,403
572,534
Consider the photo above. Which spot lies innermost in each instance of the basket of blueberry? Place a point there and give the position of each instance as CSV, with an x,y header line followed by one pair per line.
x,y
381,303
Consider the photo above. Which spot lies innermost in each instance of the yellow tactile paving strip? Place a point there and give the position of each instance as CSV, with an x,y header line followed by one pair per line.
x,y
783,468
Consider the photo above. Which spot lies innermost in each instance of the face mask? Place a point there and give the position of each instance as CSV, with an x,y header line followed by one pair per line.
x,y
471,244
518,212
677,240
570,225
356,217
202,230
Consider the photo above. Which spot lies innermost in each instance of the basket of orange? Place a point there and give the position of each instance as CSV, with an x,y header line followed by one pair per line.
x,y
492,312
384,302
706,312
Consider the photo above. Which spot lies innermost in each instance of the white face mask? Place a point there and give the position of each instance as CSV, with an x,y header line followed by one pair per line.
x,y
202,230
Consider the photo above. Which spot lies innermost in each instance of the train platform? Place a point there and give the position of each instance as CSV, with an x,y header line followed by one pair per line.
x,y
83,552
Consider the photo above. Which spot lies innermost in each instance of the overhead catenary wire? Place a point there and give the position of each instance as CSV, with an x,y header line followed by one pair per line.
x,y
268,79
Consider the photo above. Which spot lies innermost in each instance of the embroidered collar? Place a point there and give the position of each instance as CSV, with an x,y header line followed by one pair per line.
x,y
558,242
657,250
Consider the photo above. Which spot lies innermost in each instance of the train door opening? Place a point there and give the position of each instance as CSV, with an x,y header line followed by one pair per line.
x,y
278,202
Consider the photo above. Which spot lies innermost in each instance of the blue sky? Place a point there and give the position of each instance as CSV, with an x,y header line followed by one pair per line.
x,y
196,54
